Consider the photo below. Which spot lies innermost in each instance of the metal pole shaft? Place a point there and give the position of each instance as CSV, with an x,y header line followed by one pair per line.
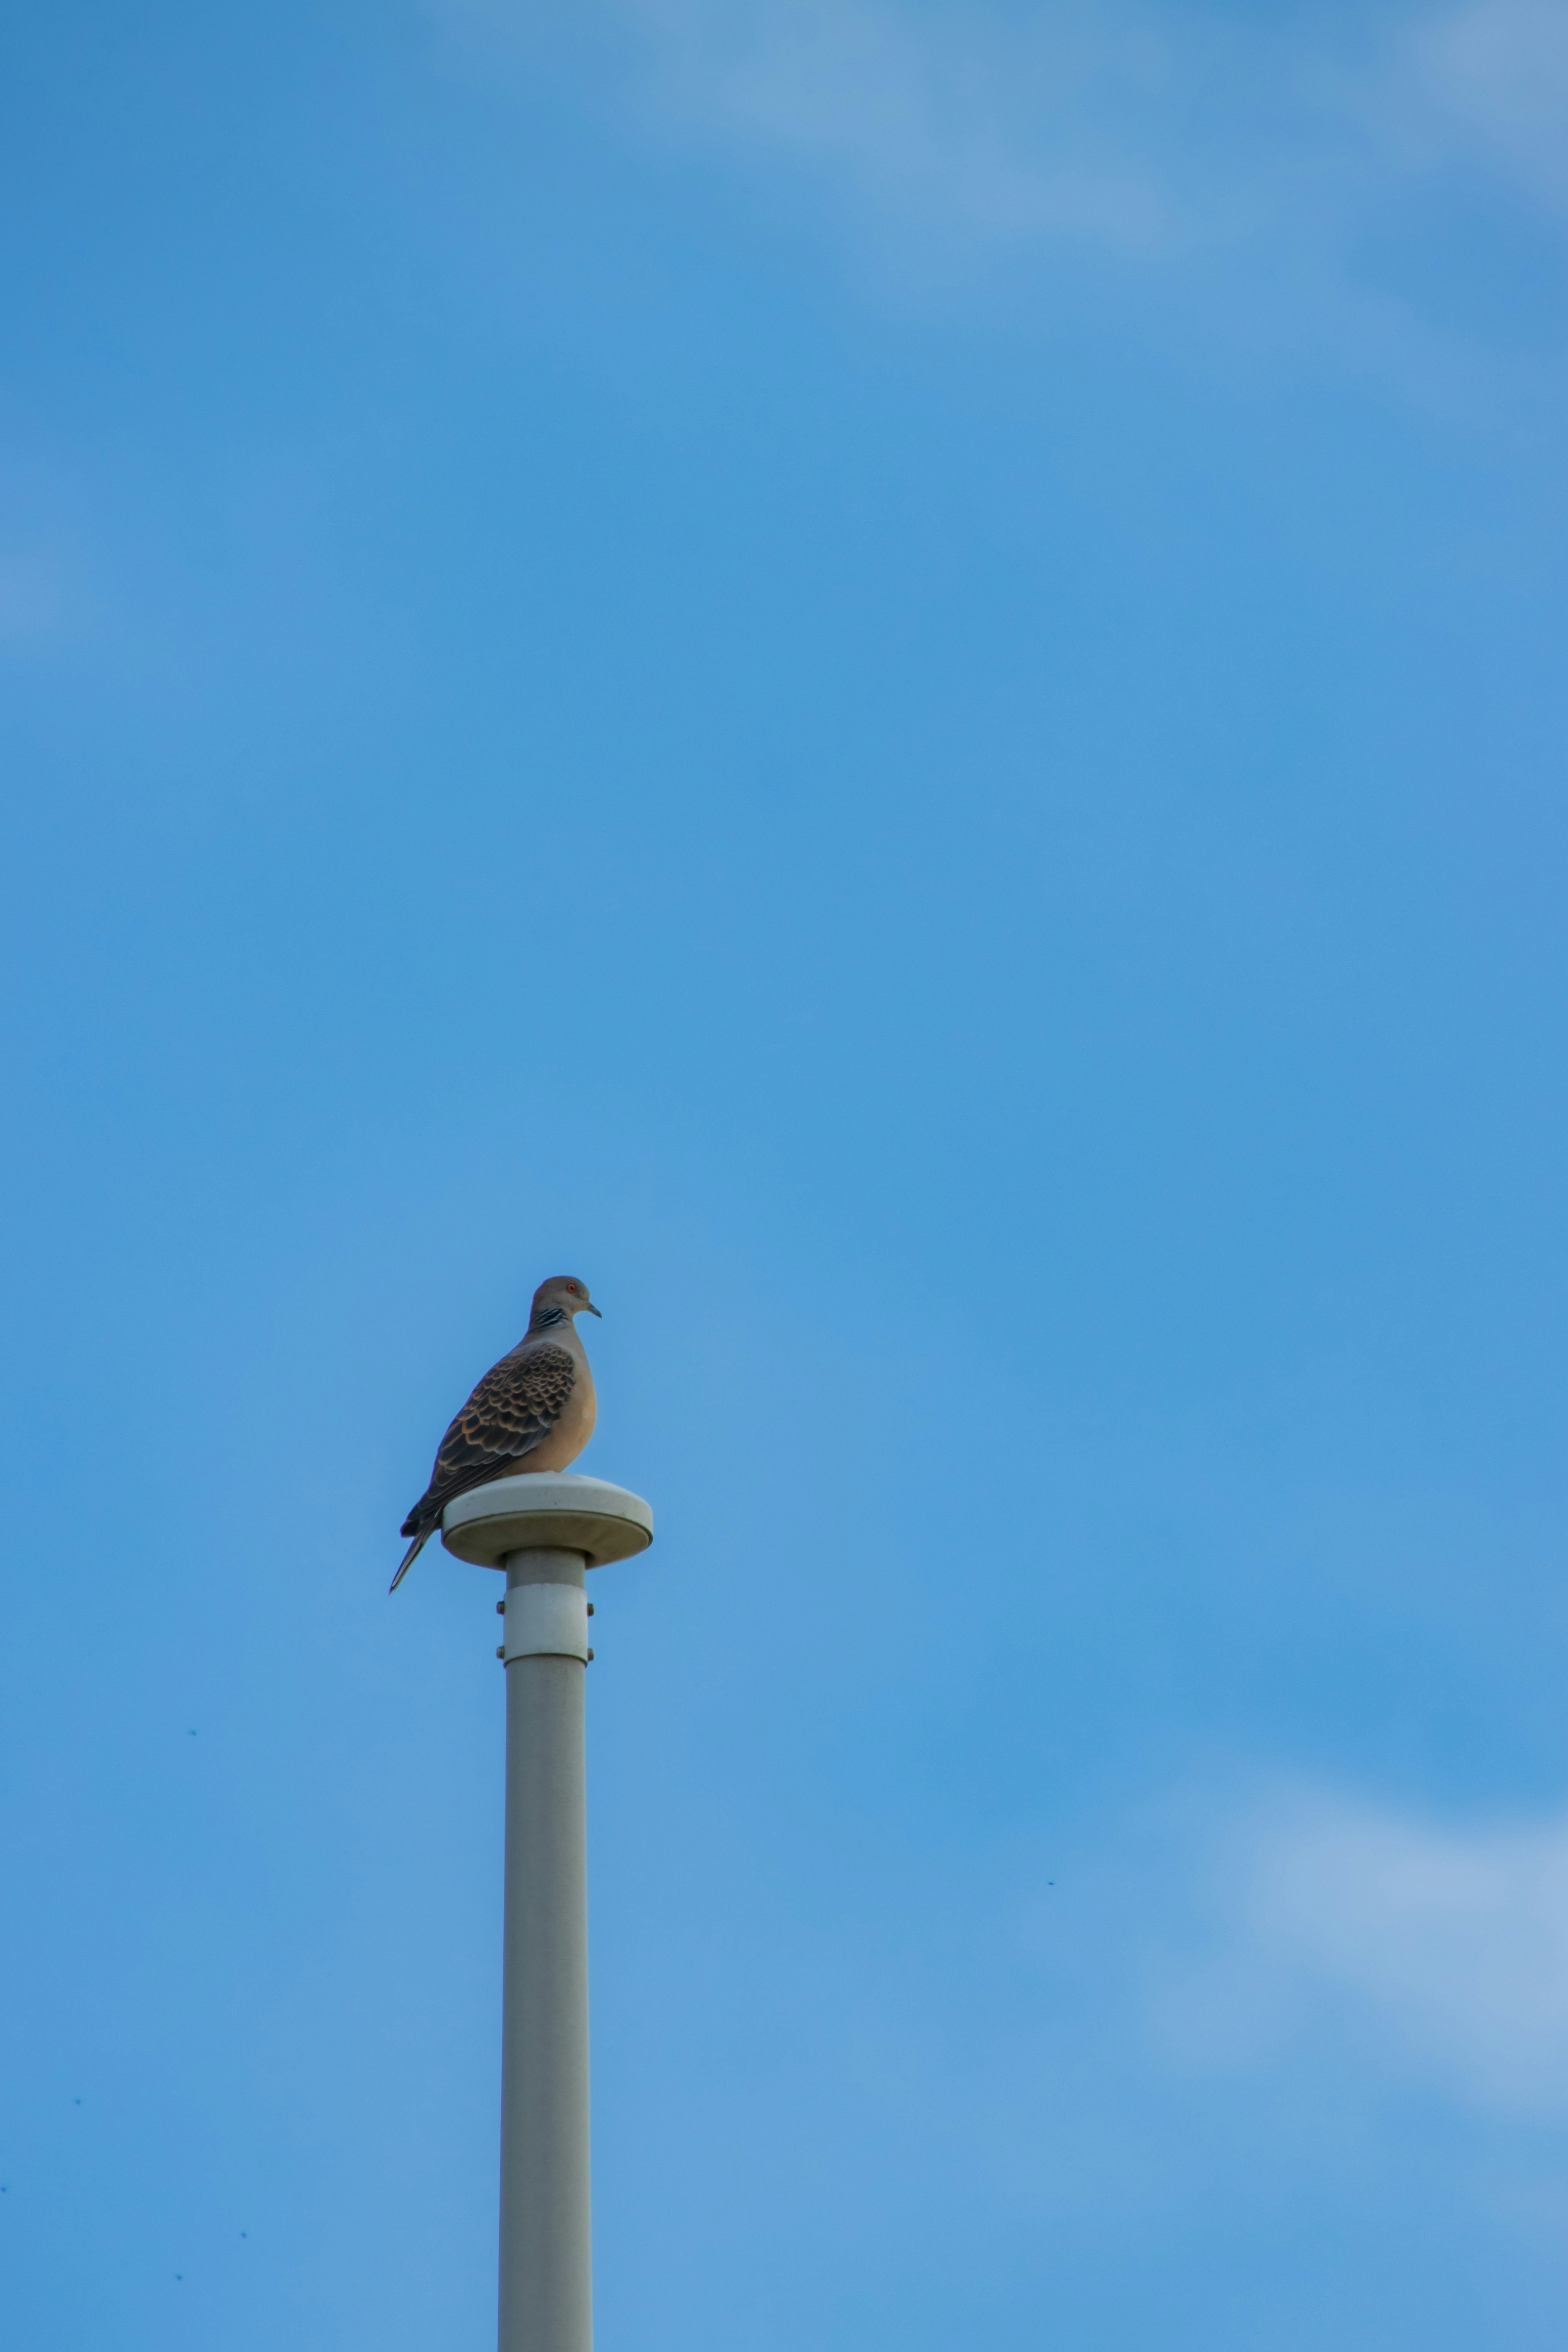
x,y
546,2289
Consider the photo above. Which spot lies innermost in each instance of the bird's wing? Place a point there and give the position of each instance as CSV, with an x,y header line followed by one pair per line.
x,y
515,1406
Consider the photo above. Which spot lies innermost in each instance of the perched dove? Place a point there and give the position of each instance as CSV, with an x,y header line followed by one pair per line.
x,y
533,1411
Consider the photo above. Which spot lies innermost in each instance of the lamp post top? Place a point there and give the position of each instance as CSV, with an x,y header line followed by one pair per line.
x,y
547,1511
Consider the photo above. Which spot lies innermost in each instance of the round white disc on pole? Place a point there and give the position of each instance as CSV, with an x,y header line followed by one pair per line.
x,y
547,1511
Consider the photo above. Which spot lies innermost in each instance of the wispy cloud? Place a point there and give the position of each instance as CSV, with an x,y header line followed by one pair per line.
x,y
1494,78
1002,130
1435,1949
1134,124
33,593
43,590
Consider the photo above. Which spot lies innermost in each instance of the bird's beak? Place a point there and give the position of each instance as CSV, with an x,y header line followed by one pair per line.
x,y
592,1309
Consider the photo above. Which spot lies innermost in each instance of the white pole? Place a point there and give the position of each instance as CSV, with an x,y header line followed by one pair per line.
x,y
545,1529
546,2278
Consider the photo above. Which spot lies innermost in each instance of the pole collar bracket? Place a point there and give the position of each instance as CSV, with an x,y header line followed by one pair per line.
x,y
546,1621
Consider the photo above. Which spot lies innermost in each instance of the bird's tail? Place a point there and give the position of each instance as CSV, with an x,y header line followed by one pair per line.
x,y
412,1554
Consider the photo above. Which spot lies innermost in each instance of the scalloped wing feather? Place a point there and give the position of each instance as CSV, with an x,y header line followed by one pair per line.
x,y
512,1410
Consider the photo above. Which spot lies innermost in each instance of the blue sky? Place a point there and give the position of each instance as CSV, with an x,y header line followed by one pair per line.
x,y
888,677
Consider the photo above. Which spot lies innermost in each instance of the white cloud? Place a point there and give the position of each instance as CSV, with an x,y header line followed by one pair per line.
x,y
1441,1950
1131,124
1002,130
33,591
1497,73
45,590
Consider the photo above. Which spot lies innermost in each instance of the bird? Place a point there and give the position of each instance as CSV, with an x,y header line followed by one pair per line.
x,y
533,1411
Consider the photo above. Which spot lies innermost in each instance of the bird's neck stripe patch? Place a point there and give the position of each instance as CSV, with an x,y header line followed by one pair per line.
x,y
547,1319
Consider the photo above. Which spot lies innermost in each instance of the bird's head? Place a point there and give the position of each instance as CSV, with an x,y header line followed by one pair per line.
x,y
561,1295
